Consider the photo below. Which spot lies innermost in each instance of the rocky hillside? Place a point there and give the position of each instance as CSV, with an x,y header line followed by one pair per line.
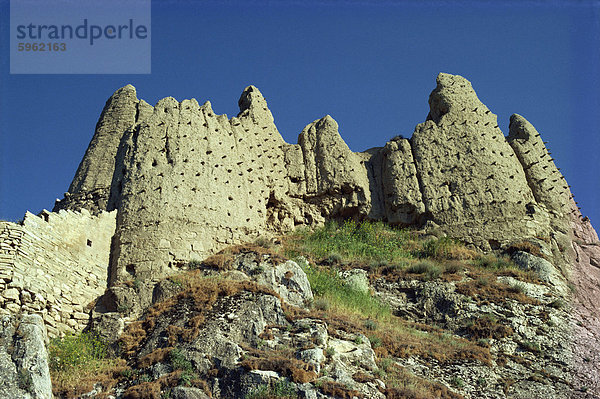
x,y
362,310
454,263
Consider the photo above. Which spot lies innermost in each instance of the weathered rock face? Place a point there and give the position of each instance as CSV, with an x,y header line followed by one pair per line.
x,y
24,369
187,182
585,279
529,340
240,340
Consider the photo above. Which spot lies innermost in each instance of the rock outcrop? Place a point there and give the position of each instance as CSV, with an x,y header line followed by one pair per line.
x,y
237,334
23,358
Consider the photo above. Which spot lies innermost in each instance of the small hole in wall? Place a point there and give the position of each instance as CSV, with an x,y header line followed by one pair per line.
x,y
89,243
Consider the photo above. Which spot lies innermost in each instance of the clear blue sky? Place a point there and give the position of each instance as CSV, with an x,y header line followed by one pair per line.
x,y
371,65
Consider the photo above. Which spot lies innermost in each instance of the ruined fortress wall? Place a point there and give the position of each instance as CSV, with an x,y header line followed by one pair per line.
x,y
55,265
187,182
194,182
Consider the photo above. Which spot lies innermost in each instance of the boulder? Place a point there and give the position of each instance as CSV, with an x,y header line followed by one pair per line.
x,y
24,372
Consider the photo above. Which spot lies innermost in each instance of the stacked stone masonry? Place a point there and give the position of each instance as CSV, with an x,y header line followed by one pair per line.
x,y
187,182
55,265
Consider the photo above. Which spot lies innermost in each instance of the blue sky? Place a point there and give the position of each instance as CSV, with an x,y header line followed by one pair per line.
x,y
371,65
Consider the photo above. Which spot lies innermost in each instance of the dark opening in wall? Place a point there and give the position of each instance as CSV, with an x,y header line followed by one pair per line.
x,y
89,243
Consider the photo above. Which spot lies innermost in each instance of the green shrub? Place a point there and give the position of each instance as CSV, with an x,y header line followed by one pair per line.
x,y
531,346
557,304
194,264
375,342
74,351
354,241
518,287
179,361
370,325
457,382
328,287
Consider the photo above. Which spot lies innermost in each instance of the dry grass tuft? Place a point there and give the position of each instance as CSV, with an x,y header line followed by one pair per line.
x,y
152,390
486,289
526,246
281,361
76,381
405,385
487,326
223,260
337,390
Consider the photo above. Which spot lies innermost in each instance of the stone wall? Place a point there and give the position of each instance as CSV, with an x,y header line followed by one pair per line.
x,y
55,265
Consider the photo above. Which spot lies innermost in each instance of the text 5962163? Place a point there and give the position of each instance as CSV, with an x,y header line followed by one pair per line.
x,y
42,46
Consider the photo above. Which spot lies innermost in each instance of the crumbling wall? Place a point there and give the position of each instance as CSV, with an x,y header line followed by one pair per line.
x,y
187,182
472,183
547,183
55,265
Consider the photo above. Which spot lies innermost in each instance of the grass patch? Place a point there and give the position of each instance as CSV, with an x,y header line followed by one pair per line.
x,y
445,248
78,362
486,289
486,327
526,246
331,291
351,241
531,346
491,262
279,390
427,269
281,361
402,384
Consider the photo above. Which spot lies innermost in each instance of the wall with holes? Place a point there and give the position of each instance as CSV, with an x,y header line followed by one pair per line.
x,y
193,183
55,265
188,182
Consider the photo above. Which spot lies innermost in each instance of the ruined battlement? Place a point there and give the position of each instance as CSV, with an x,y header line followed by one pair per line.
x,y
186,182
